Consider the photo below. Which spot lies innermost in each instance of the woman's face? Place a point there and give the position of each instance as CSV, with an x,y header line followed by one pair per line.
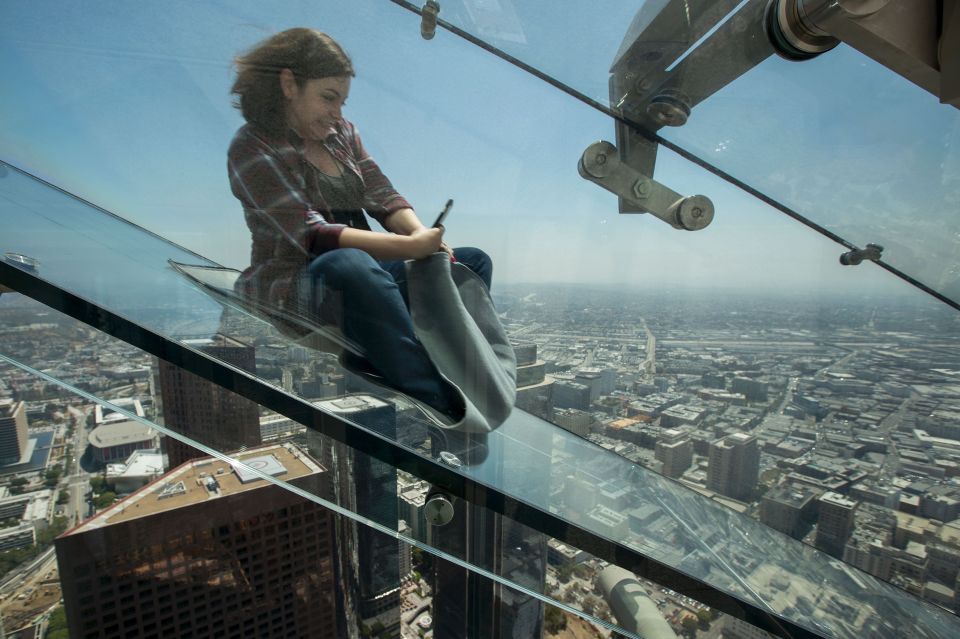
x,y
314,108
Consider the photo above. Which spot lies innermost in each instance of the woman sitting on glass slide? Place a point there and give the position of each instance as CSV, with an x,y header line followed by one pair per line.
x,y
305,181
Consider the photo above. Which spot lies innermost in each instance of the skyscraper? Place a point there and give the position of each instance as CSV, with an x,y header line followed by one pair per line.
x,y
788,508
835,522
369,559
534,389
734,466
675,451
204,411
468,605
208,550
13,431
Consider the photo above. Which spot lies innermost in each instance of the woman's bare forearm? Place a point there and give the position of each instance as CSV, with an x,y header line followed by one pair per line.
x,y
403,222
385,246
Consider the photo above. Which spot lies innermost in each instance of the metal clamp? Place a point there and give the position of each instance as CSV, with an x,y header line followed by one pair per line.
x,y
428,19
601,164
438,509
870,252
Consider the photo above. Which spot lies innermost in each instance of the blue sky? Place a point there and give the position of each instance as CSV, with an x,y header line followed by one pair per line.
x,y
131,110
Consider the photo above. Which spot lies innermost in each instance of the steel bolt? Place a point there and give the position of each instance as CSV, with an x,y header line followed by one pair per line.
x,y
697,211
641,188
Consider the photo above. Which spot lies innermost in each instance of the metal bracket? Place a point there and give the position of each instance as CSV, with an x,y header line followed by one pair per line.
x,y
871,252
601,164
913,39
428,19
438,509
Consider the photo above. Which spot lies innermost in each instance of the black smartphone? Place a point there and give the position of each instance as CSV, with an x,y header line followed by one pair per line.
x,y
443,213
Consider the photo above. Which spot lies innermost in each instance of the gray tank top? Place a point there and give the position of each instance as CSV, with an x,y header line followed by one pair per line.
x,y
344,195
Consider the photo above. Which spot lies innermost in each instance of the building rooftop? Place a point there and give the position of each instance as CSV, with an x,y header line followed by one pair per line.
x,y
837,499
119,433
141,463
103,415
7,407
351,403
204,479
794,495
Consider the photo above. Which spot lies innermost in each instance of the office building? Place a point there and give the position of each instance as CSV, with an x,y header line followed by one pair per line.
x,y
13,431
734,466
534,388
205,412
208,550
118,440
675,451
789,508
755,391
570,394
576,421
464,601
369,559
142,467
835,522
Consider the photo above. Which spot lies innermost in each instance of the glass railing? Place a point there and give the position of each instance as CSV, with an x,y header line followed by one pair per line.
x,y
839,139
626,328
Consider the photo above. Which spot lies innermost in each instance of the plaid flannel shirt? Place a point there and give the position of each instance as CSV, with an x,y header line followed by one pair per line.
x,y
286,212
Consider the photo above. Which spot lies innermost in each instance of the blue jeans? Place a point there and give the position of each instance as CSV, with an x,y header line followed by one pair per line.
x,y
367,300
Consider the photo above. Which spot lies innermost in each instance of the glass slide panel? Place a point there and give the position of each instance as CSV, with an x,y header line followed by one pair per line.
x,y
593,488
222,540
116,444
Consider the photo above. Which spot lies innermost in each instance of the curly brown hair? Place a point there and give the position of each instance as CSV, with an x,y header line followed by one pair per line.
x,y
308,53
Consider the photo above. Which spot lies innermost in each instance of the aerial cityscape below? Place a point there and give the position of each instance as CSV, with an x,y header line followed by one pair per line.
x,y
831,420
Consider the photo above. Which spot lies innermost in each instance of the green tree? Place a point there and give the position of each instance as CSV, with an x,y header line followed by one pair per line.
x,y
554,621
52,477
104,499
98,483
58,624
590,603
565,571
17,485
46,536
705,617
689,624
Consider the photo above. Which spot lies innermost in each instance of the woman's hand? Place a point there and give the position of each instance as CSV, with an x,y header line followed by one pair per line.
x,y
424,242
449,251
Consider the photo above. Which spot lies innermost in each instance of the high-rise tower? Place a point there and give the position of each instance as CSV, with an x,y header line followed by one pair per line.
x,y
369,559
209,549
13,431
734,466
205,412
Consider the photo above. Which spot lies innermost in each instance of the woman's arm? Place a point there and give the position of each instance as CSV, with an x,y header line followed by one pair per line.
x,y
382,246
403,222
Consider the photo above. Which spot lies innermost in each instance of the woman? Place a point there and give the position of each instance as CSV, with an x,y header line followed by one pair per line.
x,y
305,181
